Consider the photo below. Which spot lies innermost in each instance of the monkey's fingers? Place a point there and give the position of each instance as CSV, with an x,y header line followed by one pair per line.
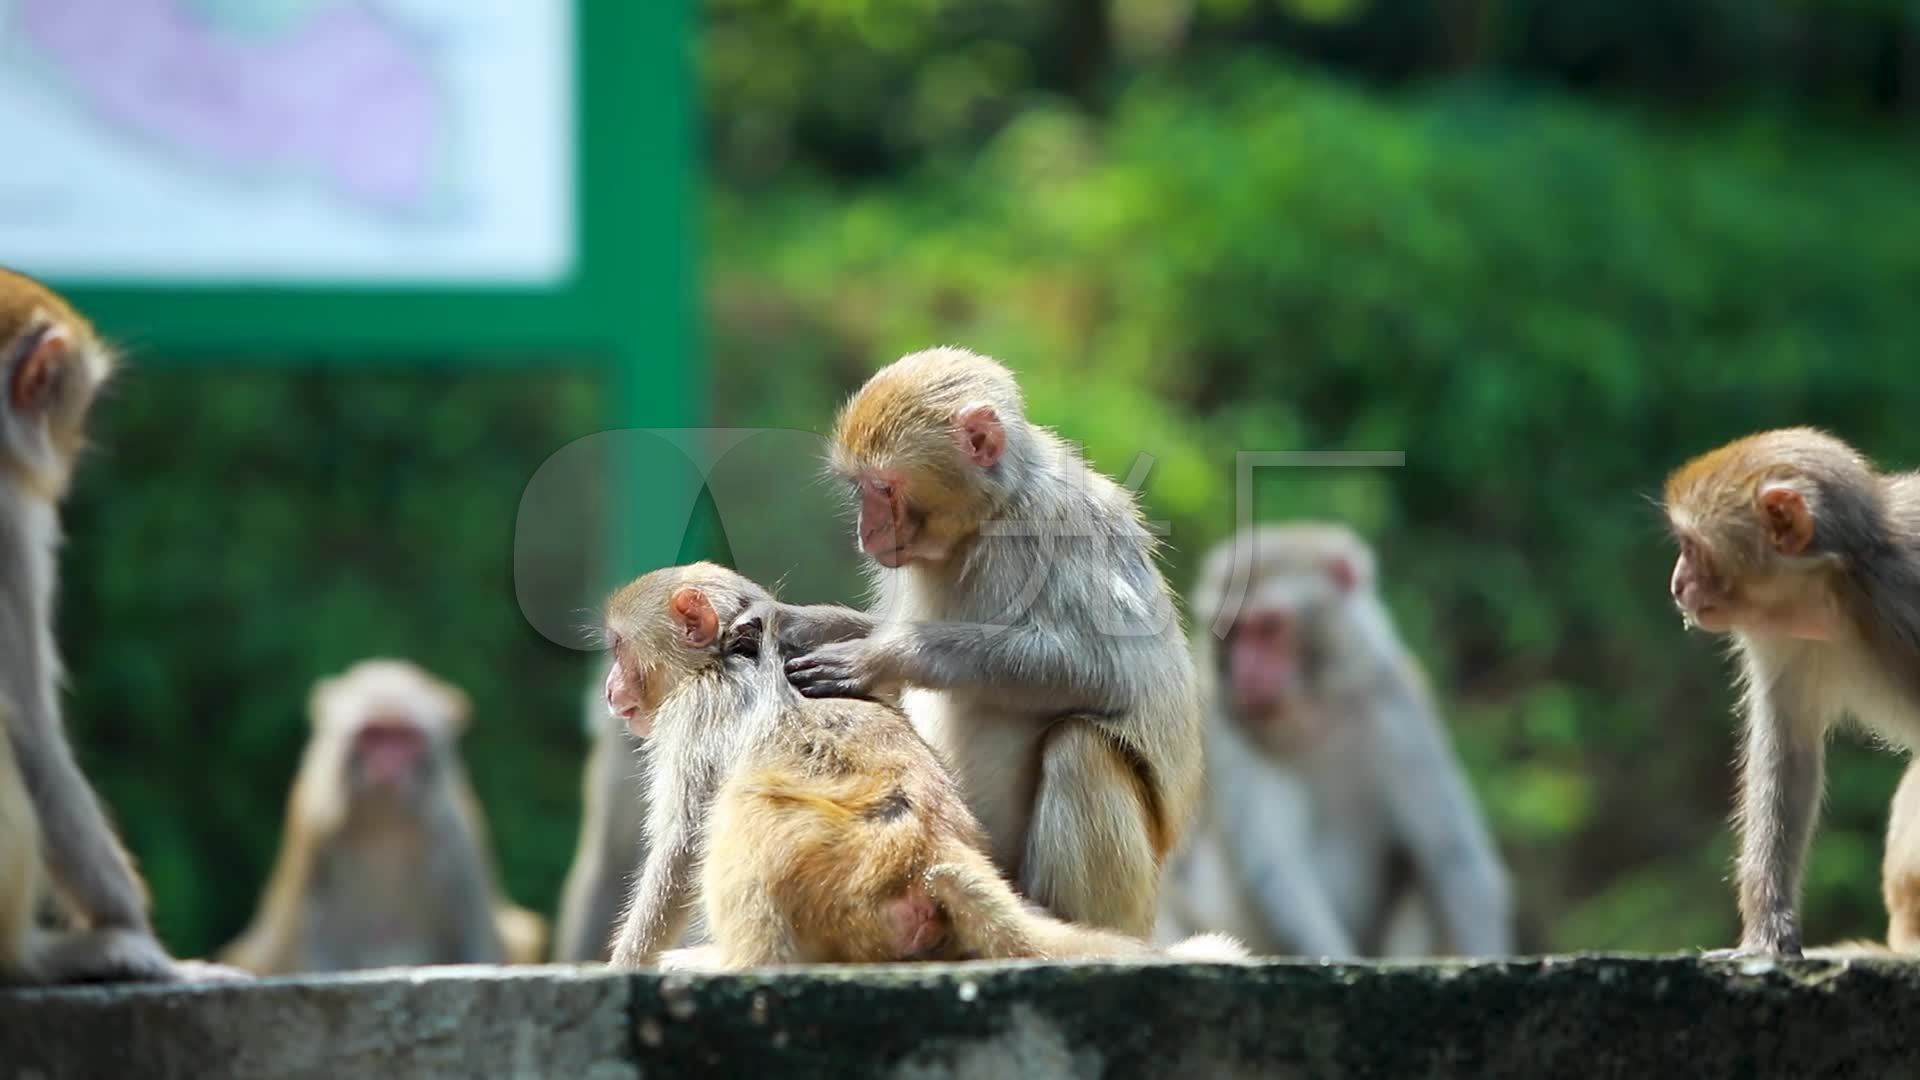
x,y
832,688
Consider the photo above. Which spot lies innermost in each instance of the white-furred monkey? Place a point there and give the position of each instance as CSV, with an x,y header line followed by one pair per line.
x,y
1018,598
1339,822
613,843
385,860
53,830
806,831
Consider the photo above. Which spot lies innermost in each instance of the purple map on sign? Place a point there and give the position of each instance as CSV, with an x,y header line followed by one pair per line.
x,y
340,94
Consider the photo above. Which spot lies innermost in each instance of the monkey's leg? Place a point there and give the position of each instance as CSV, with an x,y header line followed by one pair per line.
x,y
83,855
1779,803
19,868
1090,854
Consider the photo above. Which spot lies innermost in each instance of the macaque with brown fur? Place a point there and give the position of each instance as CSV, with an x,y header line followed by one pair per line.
x,y
1018,600
807,831
53,829
612,841
1340,824
1792,543
385,860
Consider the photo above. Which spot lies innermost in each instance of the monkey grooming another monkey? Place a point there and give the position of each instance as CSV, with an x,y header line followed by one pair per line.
x,y
1340,823
818,831
1795,546
52,826
612,839
384,861
1017,597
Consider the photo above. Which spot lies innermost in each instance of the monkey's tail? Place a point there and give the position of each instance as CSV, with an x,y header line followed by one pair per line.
x,y
992,922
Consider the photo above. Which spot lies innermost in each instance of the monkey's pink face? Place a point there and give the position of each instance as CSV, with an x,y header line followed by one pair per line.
x,y
1773,599
1267,682
390,750
626,693
891,530
1698,592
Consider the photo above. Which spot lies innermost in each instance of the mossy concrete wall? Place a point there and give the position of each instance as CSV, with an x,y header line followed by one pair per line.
x,y
1643,1018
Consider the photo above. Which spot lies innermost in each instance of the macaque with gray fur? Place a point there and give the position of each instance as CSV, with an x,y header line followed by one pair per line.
x,y
384,862
1019,604
1340,824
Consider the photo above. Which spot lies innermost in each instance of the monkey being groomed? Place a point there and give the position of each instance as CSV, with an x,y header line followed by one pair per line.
x,y
1339,822
384,862
806,831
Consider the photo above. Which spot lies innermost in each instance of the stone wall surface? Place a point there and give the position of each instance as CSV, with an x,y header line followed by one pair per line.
x,y
1600,1016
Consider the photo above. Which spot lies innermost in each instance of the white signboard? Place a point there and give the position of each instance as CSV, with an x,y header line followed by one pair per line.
x,y
375,142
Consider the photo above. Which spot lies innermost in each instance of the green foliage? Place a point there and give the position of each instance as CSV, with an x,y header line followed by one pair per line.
x,y
1544,305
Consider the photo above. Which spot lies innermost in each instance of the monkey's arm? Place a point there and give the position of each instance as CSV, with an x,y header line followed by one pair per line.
x,y
662,901
1017,666
806,627
82,853
1266,840
469,934
1780,782
1434,813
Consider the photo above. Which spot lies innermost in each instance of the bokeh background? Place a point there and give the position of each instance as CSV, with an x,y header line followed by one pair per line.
x,y
1548,248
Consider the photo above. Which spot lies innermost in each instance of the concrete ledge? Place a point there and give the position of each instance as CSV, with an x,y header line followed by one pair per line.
x,y
1602,1016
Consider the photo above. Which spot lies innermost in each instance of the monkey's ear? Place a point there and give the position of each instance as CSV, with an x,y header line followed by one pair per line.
x,y
695,616
981,436
1345,575
459,709
317,700
1784,513
33,376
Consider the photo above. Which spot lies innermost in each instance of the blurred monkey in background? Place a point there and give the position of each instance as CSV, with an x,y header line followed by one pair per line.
x,y
385,859
613,840
1339,823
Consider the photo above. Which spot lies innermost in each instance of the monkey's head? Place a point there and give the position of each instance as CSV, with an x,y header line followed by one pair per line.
x,y
930,448
387,728
665,629
1762,525
54,365
1285,603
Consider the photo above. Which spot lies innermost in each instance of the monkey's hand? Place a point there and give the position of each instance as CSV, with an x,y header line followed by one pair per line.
x,y
803,628
846,669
